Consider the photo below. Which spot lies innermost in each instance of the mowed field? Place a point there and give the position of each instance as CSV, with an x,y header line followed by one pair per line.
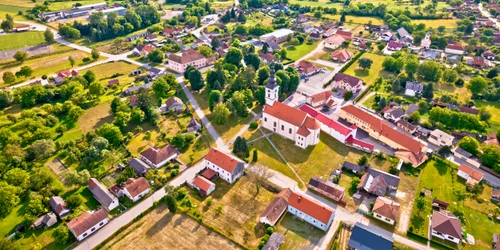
x,y
19,40
53,5
161,229
12,10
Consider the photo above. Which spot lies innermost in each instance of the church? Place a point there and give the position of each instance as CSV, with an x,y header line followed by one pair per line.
x,y
287,121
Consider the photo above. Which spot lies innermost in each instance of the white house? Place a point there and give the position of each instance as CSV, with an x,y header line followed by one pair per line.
x,y
321,99
470,175
157,157
102,194
179,63
413,88
311,211
278,36
347,82
335,129
173,103
88,223
334,42
58,205
440,138
276,208
386,210
135,189
227,167
446,226
454,49
203,185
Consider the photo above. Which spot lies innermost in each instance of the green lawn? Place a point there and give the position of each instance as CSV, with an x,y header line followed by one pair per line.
x,y
356,19
448,23
441,178
371,100
368,76
296,52
298,234
494,109
12,10
20,40
320,3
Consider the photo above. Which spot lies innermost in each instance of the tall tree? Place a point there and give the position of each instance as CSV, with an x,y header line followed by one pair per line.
x,y
196,80
49,36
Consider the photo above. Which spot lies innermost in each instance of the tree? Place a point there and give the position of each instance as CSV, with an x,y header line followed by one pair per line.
x,y
128,172
156,56
96,89
137,115
17,177
354,184
430,71
111,132
363,160
253,60
490,155
214,97
411,67
342,18
215,43
380,47
5,100
49,36
259,174
450,75
382,103
484,114
469,144
234,56
95,54
8,24
441,28
42,148
260,95
121,119
460,82
240,145
196,79
71,61
161,87
221,114
61,234
74,201
74,113
89,76
414,117
21,56
365,63
74,177
9,198
171,203
428,91
420,204
8,77
242,18
477,85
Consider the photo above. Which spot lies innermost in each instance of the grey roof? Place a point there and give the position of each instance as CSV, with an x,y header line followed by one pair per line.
x,y
274,242
155,71
101,193
137,88
364,239
396,112
378,182
47,219
353,167
403,33
273,45
411,109
463,152
415,86
139,166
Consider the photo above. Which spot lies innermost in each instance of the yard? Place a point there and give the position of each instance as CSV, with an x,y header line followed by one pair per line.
x,y
297,52
160,229
370,75
494,109
20,40
440,178
298,234
241,206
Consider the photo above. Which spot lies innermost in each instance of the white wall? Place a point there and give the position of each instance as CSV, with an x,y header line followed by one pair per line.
x,y
310,219
445,236
225,175
91,230
463,174
138,197
383,218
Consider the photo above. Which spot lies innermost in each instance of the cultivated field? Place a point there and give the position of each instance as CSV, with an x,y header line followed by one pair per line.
x,y
161,229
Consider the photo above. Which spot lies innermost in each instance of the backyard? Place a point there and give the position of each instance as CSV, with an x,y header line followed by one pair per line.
x,y
297,52
298,234
494,109
368,75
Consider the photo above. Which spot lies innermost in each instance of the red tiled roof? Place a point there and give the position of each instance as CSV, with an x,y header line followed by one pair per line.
x,y
325,120
173,100
476,175
311,123
113,82
386,208
208,173
341,55
187,57
446,223
156,155
312,208
345,34
277,206
286,113
222,160
86,221
202,183
322,96
136,186
303,131
455,46
306,67
351,80
268,57
363,144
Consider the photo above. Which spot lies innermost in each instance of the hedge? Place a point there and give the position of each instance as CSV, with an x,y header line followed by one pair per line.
x,y
416,237
353,60
363,93
438,245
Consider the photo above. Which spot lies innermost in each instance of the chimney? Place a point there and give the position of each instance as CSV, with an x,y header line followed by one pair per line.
x,y
299,199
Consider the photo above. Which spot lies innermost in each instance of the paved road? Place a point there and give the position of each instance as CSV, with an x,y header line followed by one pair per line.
x,y
122,220
487,14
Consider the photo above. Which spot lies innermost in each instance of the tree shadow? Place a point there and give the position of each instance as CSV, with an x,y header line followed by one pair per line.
x,y
417,222
361,72
160,224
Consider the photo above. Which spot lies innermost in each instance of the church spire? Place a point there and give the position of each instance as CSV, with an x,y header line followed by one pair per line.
x,y
272,88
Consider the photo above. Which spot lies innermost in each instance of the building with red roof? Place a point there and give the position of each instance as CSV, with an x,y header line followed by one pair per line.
x,y
135,189
454,48
158,157
179,63
341,55
226,166
88,223
407,148
203,185
472,176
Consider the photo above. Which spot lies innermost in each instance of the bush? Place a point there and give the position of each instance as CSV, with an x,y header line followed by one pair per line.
x,y
269,230
348,95
174,173
254,125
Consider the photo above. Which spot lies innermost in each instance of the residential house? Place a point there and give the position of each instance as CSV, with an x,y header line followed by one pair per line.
x,y
347,35
46,220
430,54
470,175
157,157
377,28
170,32
88,223
394,46
386,210
407,148
406,126
495,195
305,68
321,99
465,156
227,167
22,28
140,167
173,103
478,62
315,35
142,50
454,49
302,18
492,139
276,208
489,55
311,211
394,114
277,36
268,58
137,36
404,36
102,194
58,205
353,167
328,189
135,189
151,38
446,226
412,108
204,186
495,244
440,138
347,82
113,82
67,73
363,238
334,42
274,242
387,36
378,183
426,41
272,46
179,63
342,55
440,204
413,88
193,125
329,33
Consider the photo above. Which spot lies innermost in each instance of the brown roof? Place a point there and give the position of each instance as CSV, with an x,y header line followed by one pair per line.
x,y
472,111
312,123
386,208
456,46
155,155
303,131
341,54
336,39
173,100
277,206
495,192
187,57
133,101
86,221
136,186
269,57
202,183
329,187
445,222
351,80
208,173
113,82
492,140
306,67
286,113
344,34
322,96
222,160
310,207
476,175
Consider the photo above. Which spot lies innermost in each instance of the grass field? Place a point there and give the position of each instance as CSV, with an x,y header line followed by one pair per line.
x,y
12,10
161,229
371,100
20,40
441,178
241,207
296,52
320,3
298,234
356,19
494,109
448,23
368,76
